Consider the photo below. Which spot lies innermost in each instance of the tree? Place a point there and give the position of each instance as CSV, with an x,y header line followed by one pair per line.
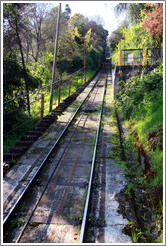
x,y
12,11
49,28
17,27
30,30
99,34
154,22
120,7
98,20
67,11
146,29
135,37
133,11
37,15
117,36
12,76
78,26
68,51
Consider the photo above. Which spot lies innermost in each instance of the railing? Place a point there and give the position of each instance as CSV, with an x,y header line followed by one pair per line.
x,y
16,118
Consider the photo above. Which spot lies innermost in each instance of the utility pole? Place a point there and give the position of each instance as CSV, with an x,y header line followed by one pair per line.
x,y
55,57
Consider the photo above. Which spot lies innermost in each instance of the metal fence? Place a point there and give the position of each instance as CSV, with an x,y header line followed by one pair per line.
x,y
15,110
136,56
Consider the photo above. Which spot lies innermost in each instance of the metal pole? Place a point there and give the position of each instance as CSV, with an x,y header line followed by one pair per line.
x,y
120,60
84,64
59,95
70,87
144,62
55,56
42,107
77,84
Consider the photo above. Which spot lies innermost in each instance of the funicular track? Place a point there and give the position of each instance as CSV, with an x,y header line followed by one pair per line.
x,y
55,209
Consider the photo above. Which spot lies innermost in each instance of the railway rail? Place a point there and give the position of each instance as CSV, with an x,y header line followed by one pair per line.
x,y
41,158
68,172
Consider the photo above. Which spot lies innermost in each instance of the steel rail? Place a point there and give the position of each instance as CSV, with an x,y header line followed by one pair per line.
x,y
6,219
83,225
50,178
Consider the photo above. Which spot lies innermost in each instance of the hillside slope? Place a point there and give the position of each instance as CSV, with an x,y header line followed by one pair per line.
x,y
140,106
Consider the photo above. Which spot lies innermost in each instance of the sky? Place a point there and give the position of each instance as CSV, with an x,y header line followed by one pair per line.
x,y
94,9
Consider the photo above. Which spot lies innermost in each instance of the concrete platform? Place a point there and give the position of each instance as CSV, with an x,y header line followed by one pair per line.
x,y
110,180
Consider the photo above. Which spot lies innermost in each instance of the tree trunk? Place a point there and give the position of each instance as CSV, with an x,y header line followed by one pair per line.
x,y
23,64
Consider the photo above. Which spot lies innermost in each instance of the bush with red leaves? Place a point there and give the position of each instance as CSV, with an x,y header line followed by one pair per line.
x,y
154,22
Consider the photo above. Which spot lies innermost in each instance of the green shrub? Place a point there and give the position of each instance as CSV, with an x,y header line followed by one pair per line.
x,y
140,103
140,97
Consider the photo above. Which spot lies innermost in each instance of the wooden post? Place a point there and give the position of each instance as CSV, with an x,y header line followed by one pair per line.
x,y
145,58
120,62
42,107
70,87
77,84
120,57
55,57
59,95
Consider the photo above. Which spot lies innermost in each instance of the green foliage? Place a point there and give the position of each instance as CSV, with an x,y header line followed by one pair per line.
x,y
140,101
18,222
14,85
12,76
116,36
38,39
42,68
19,116
77,61
137,181
145,29
29,41
153,22
157,162
134,12
94,59
141,95
132,38
136,37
